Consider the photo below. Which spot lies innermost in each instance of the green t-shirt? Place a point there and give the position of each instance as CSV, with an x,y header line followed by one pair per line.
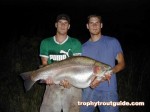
x,y
54,51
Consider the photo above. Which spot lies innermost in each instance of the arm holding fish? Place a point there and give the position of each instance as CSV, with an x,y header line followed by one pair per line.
x,y
120,65
44,61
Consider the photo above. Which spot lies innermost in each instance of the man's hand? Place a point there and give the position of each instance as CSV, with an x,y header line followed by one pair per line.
x,y
94,83
108,75
65,84
49,81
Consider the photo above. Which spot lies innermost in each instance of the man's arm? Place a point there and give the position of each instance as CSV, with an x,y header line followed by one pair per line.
x,y
120,63
44,61
120,66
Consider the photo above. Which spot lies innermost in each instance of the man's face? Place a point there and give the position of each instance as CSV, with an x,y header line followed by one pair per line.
x,y
94,26
62,26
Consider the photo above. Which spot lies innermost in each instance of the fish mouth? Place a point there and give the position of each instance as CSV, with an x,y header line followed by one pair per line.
x,y
110,68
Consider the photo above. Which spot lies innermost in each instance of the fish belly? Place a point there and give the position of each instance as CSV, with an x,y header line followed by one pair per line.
x,y
78,76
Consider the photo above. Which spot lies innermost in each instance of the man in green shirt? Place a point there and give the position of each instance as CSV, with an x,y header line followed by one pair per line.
x,y
57,48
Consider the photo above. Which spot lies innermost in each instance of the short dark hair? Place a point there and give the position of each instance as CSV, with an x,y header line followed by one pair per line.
x,y
63,17
94,15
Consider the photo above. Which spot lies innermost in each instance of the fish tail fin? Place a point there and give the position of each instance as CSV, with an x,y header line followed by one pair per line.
x,y
28,83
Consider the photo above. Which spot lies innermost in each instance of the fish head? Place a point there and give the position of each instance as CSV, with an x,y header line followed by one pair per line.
x,y
101,68
101,71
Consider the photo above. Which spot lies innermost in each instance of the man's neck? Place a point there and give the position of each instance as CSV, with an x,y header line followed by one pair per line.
x,y
60,38
95,38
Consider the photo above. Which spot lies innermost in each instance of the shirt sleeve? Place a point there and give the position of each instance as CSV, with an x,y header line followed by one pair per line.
x,y
43,49
117,47
77,48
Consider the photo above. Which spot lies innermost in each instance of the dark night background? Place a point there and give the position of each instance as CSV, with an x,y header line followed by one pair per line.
x,y
24,23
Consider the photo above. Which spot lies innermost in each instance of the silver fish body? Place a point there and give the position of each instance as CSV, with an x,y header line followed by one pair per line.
x,y
78,70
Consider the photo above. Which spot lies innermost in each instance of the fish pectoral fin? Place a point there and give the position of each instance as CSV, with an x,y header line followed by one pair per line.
x,y
42,81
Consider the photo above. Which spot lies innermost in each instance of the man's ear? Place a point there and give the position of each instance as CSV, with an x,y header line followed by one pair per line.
x,y
55,25
101,25
87,26
69,26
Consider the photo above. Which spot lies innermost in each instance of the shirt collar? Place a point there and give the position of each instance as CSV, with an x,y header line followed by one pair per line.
x,y
62,42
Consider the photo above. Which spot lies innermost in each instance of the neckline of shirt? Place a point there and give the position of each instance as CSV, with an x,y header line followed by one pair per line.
x,y
58,42
100,39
